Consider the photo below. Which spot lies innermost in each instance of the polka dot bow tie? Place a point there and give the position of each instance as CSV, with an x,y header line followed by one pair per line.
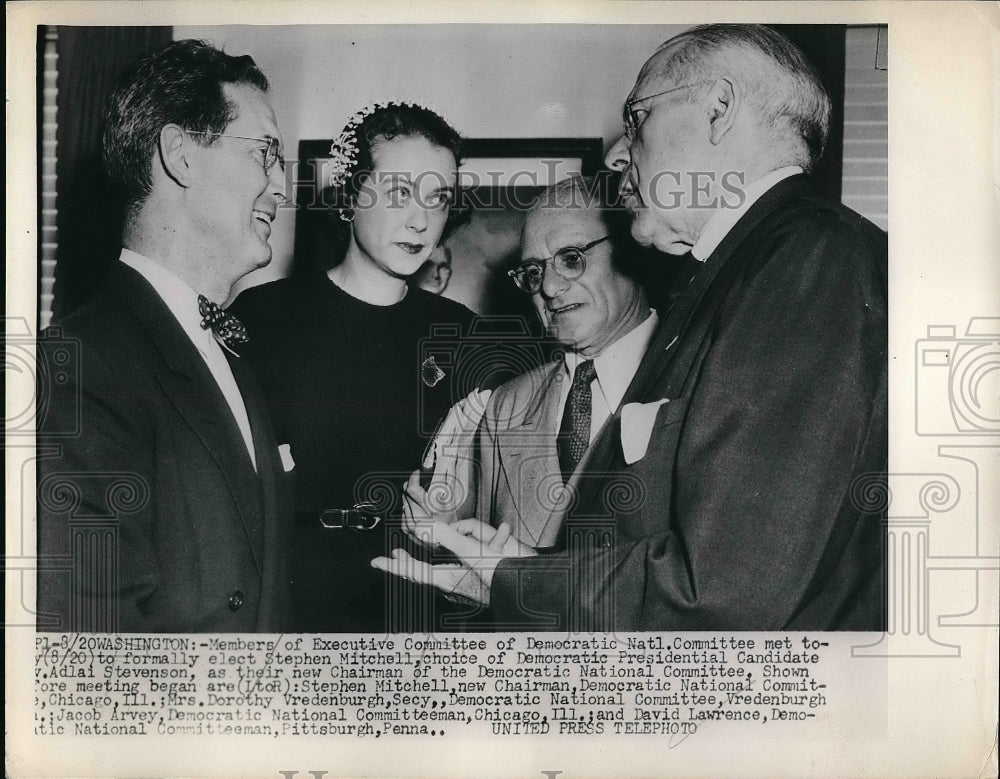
x,y
223,324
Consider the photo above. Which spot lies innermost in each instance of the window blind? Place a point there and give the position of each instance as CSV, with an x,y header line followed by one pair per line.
x,y
866,125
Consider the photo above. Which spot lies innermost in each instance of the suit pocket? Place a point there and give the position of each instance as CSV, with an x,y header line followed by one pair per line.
x,y
671,413
664,439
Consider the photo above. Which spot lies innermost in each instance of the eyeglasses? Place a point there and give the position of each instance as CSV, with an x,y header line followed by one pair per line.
x,y
633,122
271,151
569,263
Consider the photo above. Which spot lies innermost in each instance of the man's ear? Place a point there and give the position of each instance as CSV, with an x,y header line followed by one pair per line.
x,y
174,151
724,105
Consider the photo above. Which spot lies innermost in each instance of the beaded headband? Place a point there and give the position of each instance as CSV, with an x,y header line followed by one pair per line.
x,y
344,150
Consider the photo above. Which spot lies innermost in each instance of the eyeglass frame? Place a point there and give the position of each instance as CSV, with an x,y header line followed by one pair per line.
x,y
272,143
631,125
543,263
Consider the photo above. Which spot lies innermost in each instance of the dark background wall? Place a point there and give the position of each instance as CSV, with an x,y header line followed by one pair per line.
x,y
90,62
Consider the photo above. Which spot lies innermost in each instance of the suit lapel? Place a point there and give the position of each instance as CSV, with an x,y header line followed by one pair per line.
x,y
265,446
526,455
192,390
544,400
270,471
663,352
667,362
549,420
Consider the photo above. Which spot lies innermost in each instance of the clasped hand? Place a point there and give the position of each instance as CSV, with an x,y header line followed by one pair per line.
x,y
478,546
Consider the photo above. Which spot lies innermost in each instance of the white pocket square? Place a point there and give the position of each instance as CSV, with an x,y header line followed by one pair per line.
x,y
285,453
637,426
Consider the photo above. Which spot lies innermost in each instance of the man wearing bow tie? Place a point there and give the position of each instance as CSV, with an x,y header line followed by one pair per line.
x,y
748,447
165,509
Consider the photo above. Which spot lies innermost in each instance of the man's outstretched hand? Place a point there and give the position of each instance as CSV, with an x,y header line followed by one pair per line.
x,y
479,548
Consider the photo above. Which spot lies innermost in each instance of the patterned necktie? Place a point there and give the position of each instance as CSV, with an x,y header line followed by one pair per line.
x,y
223,324
574,432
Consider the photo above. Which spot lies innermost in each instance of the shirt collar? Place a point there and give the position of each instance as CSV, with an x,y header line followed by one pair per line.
x,y
617,364
723,220
179,297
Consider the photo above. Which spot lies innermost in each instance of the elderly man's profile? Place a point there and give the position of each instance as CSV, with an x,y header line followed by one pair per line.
x,y
723,485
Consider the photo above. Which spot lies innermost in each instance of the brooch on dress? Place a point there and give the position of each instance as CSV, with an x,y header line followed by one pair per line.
x,y
430,372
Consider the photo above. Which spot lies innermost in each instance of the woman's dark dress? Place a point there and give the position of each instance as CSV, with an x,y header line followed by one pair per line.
x,y
347,385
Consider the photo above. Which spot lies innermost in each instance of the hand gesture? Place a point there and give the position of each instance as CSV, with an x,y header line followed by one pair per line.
x,y
449,459
479,547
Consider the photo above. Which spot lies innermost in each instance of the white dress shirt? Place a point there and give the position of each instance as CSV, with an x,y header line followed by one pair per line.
x,y
615,367
183,304
723,220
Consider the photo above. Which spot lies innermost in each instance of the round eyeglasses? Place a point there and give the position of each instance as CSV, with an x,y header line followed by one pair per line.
x,y
633,117
569,262
271,151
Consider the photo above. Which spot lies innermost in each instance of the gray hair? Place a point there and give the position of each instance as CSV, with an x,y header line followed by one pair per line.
x,y
593,193
778,81
578,192
599,193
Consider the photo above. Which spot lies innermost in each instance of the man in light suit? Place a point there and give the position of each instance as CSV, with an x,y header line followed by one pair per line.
x,y
578,266
756,427
161,494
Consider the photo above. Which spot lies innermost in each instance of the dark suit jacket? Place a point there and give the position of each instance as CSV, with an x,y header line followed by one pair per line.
x,y
752,508
151,517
